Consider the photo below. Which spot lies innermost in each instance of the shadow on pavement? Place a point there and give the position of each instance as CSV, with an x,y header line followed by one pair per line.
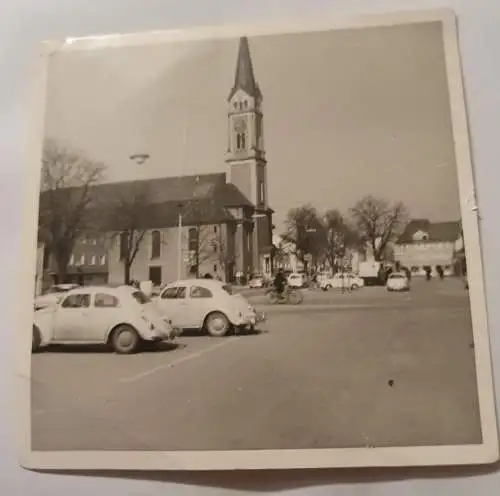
x,y
195,333
104,349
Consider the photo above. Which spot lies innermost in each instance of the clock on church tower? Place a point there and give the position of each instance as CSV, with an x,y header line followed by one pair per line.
x,y
240,125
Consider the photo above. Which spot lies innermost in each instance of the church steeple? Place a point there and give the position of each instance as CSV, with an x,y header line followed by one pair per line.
x,y
245,152
244,79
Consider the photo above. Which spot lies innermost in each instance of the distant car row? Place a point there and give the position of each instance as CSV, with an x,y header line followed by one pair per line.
x,y
301,280
124,317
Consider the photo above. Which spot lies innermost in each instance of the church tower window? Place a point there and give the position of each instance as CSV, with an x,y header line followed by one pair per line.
x,y
240,141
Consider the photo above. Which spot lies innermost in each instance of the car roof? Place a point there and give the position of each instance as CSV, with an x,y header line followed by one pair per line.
x,y
209,283
102,289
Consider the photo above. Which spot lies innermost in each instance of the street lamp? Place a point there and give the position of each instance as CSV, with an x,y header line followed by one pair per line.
x,y
139,158
179,241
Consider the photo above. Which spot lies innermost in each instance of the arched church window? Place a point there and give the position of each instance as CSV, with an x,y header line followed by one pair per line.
x,y
123,245
155,244
235,105
245,104
193,239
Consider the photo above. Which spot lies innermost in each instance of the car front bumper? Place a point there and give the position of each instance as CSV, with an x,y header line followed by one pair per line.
x,y
166,335
251,320
398,288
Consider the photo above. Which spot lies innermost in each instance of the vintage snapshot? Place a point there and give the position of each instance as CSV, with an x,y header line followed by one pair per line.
x,y
254,247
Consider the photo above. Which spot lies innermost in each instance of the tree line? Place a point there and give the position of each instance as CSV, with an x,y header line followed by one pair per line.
x,y
372,223
69,210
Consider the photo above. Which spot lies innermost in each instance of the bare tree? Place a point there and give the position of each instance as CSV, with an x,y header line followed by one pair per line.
x,y
339,237
129,213
378,222
65,201
278,254
211,247
304,231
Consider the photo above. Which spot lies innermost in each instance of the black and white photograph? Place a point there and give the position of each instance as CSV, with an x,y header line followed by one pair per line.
x,y
255,247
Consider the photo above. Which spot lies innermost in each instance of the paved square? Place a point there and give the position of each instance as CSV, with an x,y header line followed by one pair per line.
x,y
369,368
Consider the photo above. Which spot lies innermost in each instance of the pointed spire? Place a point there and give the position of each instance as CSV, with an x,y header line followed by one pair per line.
x,y
244,78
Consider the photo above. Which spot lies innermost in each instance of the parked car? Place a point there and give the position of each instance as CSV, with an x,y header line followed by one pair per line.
x,y
122,317
53,295
257,281
341,280
207,304
297,280
398,281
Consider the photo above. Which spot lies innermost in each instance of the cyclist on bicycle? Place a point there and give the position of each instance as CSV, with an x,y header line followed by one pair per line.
x,y
279,282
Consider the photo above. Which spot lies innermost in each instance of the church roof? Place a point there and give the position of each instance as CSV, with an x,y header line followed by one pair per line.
x,y
244,78
436,231
166,214
164,189
156,203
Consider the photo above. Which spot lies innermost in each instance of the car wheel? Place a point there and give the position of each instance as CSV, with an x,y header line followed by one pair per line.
x,y
36,340
217,324
125,340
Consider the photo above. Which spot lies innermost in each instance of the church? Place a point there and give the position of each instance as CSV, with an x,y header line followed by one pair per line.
x,y
218,223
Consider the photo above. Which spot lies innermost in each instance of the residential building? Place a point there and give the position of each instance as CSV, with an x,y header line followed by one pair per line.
x,y
425,244
88,263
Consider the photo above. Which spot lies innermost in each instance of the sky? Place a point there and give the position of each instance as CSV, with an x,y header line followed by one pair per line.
x,y
346,113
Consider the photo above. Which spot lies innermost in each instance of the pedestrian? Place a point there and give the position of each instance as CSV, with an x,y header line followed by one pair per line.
x,y
428,273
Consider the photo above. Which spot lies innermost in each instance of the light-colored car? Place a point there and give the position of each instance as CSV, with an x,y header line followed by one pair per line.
x,y
207,304
53,295
257,282
398,281
122,317
297,280
342,281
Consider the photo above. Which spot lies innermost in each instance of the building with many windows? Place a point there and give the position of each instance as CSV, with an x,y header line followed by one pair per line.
x,y
426,244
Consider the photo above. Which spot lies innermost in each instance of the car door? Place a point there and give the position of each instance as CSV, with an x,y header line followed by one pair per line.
x,y
200,304
173,303
71,318
104,315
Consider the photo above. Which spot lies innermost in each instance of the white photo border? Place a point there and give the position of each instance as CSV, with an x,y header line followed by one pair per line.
x,y
484,453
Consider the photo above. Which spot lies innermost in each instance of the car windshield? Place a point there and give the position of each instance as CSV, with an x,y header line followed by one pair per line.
x,y
397,276
141,297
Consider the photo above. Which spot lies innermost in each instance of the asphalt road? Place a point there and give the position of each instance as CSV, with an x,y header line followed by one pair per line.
x,y
365,369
